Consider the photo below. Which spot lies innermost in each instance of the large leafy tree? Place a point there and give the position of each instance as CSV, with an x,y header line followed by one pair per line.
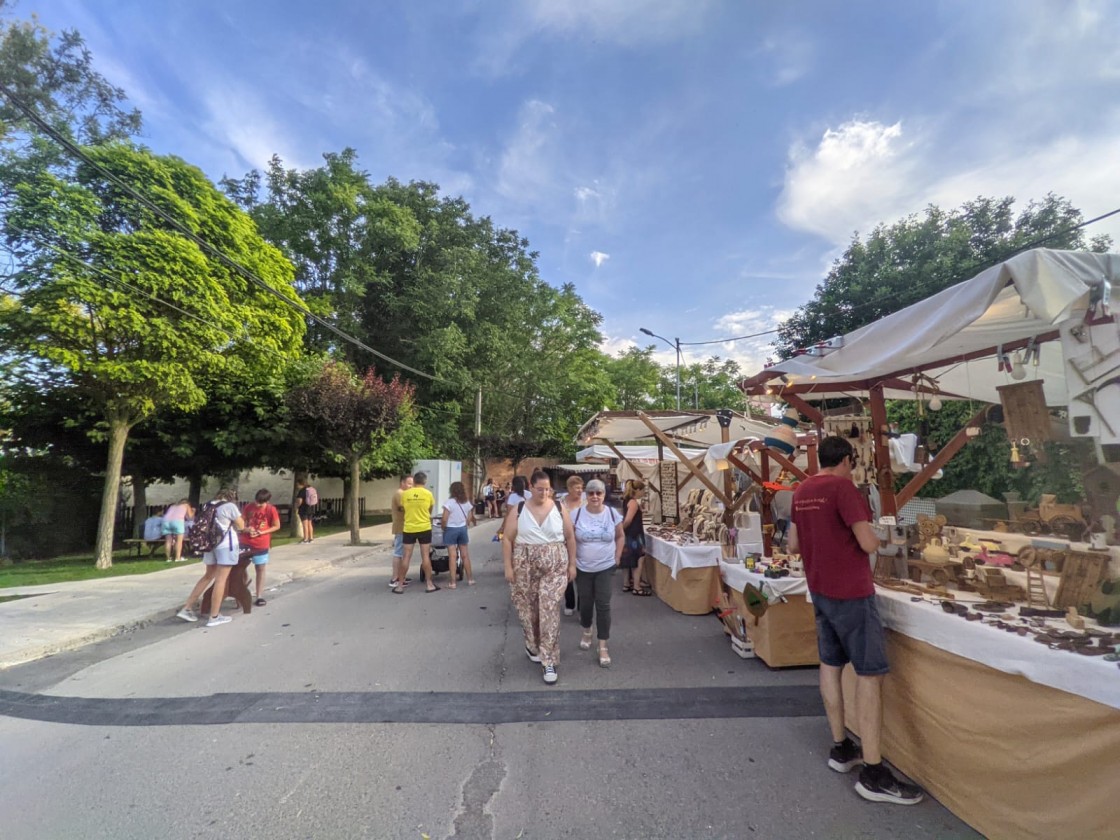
x,y
115,301
918,256
351,417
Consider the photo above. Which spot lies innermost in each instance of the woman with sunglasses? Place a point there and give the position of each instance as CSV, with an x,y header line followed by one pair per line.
x,y
599,543
539,555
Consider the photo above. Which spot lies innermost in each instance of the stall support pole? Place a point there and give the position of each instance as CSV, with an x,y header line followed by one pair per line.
x,y
884,477
970,432
703,479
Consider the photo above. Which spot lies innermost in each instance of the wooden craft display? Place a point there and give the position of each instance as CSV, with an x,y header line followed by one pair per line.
x,y
856,429
1025,415
1081,572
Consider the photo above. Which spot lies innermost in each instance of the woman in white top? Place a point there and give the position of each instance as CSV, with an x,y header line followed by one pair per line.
x,y
517,493
599,544
539,554
457,517
219,560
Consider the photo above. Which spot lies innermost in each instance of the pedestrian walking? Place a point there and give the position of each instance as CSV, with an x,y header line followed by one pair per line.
x,y
500,496
396,506
489,498
455,521
307,499
518,492
221,518
262,520
831,527
418,504
634,549
599,543
572,501
539,556
173,527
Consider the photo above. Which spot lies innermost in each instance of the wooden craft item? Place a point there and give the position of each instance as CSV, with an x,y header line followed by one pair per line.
x,y
884,569
1081,573
1074,620
1025,415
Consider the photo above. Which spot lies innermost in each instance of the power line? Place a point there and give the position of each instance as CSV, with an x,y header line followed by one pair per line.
x,y
77,152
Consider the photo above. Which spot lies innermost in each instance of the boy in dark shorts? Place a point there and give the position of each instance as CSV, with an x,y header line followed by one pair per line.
x,y
831,527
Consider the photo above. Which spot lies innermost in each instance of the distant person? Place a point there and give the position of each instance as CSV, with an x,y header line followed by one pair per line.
x,y
173,526
539,556
307,499
500,496
634,549
396,507
227,521
262,520
572,502
518,492
831,527
599,543
489,498
455,520
418,504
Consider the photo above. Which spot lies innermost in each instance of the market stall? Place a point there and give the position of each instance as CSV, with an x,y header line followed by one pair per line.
x,y
700,508
1020,626
782,630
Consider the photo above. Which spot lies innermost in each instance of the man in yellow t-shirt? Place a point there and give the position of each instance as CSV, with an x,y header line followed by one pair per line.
x,y
397,510
418,504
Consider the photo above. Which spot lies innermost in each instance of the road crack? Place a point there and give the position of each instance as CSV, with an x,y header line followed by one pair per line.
x,y
474,819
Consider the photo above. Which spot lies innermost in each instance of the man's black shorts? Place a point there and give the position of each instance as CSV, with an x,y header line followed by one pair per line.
x,y
422,537
851,631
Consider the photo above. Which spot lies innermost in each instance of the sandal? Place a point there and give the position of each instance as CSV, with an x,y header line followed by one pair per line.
x,y
604,658
626,587
433,589
585,642
260,602
645,592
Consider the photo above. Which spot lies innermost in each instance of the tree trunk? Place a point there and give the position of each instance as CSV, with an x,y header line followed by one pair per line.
x,y
194,494
139,503
118,435
347,494
355,500
294,526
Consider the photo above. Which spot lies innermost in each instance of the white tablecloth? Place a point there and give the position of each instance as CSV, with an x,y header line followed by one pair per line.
x,y
736,576
1087,676
677,557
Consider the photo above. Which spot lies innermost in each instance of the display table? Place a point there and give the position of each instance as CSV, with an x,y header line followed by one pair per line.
x,y
984,729
686,577
786,635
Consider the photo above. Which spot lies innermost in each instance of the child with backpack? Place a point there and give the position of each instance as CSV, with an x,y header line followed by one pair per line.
x,y
214,534
306,500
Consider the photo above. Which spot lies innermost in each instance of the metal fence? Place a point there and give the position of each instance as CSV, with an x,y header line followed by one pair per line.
x,y
328,508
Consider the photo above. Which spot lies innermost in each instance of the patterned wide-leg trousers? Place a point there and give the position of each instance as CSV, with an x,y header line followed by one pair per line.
x,y
540,574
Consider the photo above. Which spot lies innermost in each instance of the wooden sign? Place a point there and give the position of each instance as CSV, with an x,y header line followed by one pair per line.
x,y
667,474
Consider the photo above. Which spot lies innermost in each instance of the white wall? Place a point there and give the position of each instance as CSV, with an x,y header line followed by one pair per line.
x,y
377,492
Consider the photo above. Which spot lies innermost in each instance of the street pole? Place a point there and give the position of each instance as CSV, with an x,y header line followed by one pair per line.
x,y
677,343
478,469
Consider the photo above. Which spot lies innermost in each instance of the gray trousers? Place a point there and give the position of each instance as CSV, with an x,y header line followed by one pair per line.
x,y
595,599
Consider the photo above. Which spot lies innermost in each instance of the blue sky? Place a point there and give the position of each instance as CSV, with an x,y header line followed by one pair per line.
x,y
692,166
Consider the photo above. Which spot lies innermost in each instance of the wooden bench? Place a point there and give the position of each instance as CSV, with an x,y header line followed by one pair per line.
x,y
153,546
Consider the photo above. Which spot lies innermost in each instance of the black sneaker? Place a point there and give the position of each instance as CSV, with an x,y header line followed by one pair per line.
x,y
845,756
878,784
533,657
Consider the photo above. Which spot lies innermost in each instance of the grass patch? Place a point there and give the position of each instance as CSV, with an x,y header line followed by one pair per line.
x,y
80,566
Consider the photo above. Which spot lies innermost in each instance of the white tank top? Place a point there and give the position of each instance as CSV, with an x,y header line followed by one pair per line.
x,y
530,533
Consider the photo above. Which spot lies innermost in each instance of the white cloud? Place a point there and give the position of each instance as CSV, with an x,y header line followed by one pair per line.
x,y
613,346
238,120
750,353
858,174
598,257
790,55
528,172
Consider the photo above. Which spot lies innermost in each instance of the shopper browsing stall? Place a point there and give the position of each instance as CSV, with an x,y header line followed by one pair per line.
x,y
831,527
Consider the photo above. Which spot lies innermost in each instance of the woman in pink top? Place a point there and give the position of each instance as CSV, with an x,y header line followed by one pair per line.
x,y
174,526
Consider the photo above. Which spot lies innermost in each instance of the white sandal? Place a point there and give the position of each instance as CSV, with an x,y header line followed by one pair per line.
x,y
585,642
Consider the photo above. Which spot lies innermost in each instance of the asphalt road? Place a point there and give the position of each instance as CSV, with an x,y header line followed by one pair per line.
x,y
340,710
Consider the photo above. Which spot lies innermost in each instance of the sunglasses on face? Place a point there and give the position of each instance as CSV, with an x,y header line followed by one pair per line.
x,y
594,492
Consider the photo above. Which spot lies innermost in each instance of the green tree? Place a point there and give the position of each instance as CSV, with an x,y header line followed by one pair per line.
x,y
114,301
352,418
635,379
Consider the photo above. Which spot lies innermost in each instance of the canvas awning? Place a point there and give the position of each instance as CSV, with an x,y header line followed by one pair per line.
x,y
686,428
635,453
953,336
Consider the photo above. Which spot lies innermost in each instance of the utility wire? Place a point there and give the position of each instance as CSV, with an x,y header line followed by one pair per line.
x,y
77,152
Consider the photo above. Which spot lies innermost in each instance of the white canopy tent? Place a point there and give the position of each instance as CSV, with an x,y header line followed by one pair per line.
x,y
954,336
643,454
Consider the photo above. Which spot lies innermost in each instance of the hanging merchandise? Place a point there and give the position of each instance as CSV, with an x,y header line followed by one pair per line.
x,y
1025,415
1091,351
784,436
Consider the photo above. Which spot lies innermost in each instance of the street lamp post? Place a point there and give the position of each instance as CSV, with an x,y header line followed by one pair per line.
x,y
676,345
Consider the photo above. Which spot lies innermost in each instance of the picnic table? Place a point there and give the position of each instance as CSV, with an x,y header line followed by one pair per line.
x,y
153,546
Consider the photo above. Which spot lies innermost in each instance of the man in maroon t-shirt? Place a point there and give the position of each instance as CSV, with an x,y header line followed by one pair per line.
x,y
261,519
831,527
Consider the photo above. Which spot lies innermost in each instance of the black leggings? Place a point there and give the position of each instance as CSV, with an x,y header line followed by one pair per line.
x,y
595,599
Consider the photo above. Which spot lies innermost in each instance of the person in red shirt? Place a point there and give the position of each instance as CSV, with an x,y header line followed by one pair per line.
x,y
831,527
261,519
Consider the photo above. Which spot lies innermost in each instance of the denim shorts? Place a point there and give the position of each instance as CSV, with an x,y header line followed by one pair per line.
x,y
398,545
456,535
260,559
222,555
173,527
851,631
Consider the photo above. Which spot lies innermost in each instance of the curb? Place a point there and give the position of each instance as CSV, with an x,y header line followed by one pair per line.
x,y
33,653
